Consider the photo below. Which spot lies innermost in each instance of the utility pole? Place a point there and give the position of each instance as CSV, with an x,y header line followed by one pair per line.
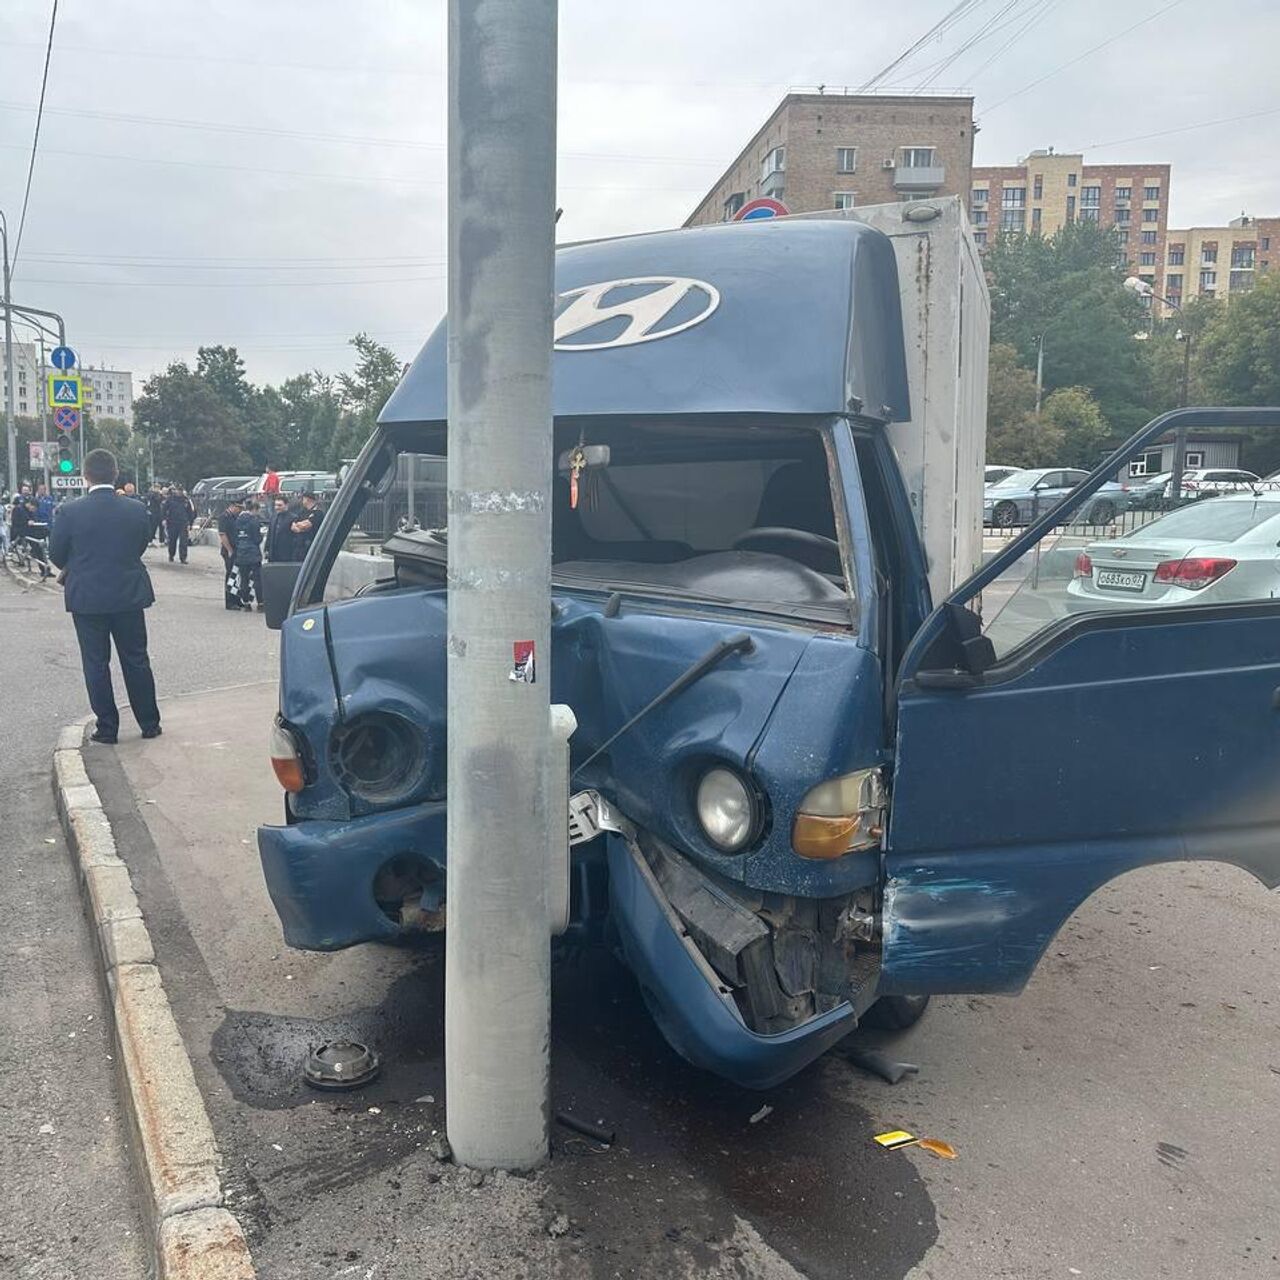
x,y
10,425
1039,374
502,104
42,391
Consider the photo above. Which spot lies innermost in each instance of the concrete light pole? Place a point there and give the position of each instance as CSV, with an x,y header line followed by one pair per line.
x,y
502,101
10,425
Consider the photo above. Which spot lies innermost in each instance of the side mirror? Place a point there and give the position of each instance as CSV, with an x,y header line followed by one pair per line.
x,y
277,590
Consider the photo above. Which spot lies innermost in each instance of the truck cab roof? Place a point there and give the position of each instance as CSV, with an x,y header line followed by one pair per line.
x,y
785,317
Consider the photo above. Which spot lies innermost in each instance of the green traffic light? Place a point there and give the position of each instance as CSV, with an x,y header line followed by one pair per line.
x,y
66,466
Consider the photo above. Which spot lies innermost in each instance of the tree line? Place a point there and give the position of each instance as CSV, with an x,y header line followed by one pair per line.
x,y
1110,364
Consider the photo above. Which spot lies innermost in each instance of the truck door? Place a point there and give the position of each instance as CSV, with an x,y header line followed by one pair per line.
x,y
1058,726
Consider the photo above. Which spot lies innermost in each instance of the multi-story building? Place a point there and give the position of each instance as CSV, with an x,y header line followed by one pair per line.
x,y
108,393
1046,191
1219,262
834,151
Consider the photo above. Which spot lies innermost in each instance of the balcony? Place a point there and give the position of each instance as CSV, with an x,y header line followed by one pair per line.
x,y
919,177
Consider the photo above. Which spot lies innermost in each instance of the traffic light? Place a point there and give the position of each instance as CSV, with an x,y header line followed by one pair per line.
x,y
64,457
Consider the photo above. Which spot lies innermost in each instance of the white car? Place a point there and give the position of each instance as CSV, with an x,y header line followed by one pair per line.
x,y
1206,482
993,474
1205,553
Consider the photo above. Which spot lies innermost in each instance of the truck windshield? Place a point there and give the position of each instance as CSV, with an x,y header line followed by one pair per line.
x,y
729,513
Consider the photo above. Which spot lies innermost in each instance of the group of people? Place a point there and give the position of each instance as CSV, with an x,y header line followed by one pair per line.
x,y
172,514
26,518
289,532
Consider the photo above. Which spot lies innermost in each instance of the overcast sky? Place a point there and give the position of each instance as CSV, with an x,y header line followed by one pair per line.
x,y
154,237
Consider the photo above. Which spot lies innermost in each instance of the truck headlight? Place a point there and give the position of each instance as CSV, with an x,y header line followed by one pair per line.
x,y
840,816
727,809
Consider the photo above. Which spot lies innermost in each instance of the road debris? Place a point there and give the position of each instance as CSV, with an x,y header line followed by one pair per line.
x,y
764,1111
45,1128
880,1064
896,1138
558,1226
598,1131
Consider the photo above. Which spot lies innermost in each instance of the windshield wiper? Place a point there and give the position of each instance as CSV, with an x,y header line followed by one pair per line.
x,y
740,643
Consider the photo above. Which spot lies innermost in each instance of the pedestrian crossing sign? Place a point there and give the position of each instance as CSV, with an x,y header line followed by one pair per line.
x,y
64,390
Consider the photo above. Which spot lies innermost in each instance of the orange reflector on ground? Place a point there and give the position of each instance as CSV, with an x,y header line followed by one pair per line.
x,y
901,1138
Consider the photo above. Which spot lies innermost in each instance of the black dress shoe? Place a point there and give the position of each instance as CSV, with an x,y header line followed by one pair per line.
x,y
103,739
153,732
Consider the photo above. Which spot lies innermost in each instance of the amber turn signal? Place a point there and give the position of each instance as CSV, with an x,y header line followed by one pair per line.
x,y
285,759
823,838
288,773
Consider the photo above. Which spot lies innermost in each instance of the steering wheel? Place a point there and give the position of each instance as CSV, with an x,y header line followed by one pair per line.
x,y
804,546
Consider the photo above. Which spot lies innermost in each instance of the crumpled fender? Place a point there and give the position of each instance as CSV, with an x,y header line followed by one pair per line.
x,y
320,874
693,1010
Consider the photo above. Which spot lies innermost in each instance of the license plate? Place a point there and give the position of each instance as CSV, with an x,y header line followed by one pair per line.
x,y
1121,580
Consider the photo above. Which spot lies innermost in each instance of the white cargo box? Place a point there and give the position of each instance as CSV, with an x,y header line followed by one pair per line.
x,y
946,315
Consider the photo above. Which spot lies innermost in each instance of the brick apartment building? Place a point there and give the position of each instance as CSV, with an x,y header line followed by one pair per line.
x,y
1047,190
1219,262
834,151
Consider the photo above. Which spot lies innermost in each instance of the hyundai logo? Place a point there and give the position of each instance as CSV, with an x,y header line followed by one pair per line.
x,y
622,313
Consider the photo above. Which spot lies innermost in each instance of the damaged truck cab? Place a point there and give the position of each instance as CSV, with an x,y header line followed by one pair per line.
x,y
789,803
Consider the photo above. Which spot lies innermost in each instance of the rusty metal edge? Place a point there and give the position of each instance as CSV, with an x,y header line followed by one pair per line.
x,y
192,1235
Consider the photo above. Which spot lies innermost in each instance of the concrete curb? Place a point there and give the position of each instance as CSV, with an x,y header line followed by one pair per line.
x,y
193,1237
30,580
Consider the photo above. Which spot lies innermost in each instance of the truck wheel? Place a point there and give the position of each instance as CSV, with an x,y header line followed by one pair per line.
x,y
895,1013
1005,515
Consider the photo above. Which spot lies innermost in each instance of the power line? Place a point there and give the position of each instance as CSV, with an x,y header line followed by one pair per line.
x,y
1184,128
213,126
362,179
1033,19
949,19
35,139
987,28
1142,22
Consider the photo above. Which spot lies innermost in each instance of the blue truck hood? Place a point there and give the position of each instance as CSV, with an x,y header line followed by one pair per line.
x,y
800,318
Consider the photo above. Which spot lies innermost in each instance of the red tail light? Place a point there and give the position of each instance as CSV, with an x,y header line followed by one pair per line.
x,y
1193,572
1084,566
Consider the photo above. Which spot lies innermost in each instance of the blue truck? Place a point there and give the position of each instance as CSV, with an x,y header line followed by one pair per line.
x,y
812,782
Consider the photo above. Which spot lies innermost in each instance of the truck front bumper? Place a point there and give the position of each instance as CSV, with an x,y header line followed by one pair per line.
x,y
321,874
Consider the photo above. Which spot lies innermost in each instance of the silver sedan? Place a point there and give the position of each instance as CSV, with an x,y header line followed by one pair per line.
x,y
1206,553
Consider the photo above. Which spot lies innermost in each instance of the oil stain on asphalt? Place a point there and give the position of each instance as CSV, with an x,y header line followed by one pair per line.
x,y
687,1164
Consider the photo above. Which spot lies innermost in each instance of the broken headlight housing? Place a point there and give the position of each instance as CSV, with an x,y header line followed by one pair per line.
x,y
377,757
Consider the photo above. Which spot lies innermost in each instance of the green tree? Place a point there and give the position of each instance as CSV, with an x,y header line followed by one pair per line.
x,y
1073,414
1067,290
363,394
222,368
194,431
1014,438
312,407
1238,363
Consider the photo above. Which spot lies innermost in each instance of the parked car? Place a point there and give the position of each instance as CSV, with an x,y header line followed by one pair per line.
x,y
293,483
1208,482
994,474
1147,492
1027,494
1206,553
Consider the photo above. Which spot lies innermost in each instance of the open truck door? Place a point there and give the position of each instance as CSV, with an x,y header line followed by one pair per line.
x,y
1074,726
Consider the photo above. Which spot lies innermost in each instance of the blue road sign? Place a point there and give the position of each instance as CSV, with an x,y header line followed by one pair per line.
x,y
62,358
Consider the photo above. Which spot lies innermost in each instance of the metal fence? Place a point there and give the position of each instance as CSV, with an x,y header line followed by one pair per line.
x,y
417,499
1086,524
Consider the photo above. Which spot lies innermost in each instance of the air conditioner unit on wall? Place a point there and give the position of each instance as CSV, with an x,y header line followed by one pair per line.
x,y
886,164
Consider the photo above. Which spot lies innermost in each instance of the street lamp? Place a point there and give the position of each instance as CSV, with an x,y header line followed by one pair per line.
x,y
1135,284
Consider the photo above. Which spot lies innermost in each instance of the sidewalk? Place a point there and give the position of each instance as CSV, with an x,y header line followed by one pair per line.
x,y
1130,1041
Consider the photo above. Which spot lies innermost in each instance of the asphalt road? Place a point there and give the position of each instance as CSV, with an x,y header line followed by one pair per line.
x,y
1120,1119
66,1208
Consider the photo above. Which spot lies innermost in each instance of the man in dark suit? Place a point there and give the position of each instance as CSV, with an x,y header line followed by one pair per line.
x,y
99,540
